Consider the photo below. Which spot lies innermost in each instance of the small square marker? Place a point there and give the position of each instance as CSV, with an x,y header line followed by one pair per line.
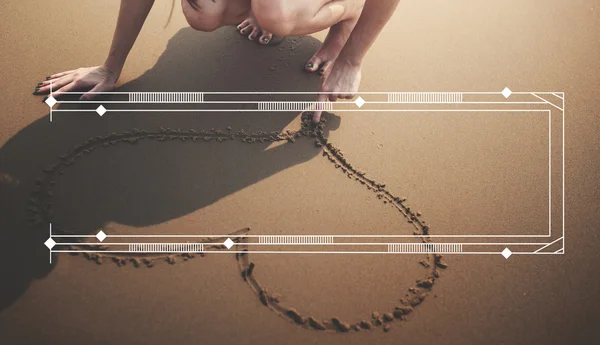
x,y
506,92
359,102
506,253
228,243
101,110
50,243
101,236
51,101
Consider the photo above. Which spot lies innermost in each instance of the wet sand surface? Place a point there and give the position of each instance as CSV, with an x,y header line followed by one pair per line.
x,y
295,181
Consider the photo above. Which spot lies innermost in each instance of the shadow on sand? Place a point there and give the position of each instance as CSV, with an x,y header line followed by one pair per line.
x,y
148,183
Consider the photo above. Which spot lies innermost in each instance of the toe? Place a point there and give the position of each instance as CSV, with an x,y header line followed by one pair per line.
x,y
243,25
254,33
266,37
246,29
313,64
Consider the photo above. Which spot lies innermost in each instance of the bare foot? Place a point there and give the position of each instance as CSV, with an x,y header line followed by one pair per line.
x,y
251,28
331,48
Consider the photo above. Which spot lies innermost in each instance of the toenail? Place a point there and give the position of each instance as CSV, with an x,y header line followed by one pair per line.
x,y
322,70
309,65
266,40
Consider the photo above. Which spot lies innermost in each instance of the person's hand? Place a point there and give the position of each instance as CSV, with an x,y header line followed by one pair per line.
x,y
340,81
90,79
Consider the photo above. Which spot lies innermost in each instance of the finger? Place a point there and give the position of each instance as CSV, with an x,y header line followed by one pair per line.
x,y
46,82
53,80
348,95
56,84
333,97
67,88
90,94
313,64
318,111
59,75
325,67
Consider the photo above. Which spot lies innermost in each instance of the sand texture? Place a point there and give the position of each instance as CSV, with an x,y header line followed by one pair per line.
x,y
239,174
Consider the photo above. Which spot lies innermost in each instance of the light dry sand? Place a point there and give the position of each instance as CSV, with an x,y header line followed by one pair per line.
x,y
443,166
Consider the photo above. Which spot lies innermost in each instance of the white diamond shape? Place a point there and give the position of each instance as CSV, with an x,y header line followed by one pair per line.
x,y
101,110
506,92
359,102
100,235
506,253
228,243
51,101
50,243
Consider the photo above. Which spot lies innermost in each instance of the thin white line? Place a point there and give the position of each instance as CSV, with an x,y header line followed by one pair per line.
x,y
563,173
50,107
549,244
296,252
336,236
336,110
557,95
549,172
545,101
308,93
552,104
287,102
406,110
310,244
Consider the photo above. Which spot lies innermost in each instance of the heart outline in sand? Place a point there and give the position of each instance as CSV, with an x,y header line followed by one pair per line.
x,y
42,195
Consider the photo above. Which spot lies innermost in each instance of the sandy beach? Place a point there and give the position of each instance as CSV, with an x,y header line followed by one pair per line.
x,y
245,175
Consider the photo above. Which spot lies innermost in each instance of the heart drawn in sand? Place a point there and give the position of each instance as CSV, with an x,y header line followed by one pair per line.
x,y
41,212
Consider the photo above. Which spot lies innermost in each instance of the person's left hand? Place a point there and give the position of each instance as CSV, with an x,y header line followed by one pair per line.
x,y
340,81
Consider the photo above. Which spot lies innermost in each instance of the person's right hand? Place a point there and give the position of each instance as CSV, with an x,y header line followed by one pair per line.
x,y
340,81
87,79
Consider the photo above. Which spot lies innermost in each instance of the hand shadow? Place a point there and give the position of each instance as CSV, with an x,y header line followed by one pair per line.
x,y
149,182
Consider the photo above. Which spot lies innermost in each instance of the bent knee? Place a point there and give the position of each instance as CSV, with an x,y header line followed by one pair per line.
x,y
279,17
202,17
204,25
